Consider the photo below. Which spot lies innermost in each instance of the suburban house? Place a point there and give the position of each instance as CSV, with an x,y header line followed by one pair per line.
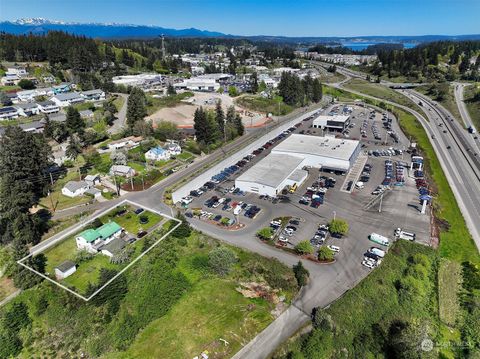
x,y
67,99
157,154
114,247
173,148
16,70
62,88
92,240
48,107
8,113
93,95
129,142
65,269
75,188
92,180
27,95
57,117
86,114
34,126
122,170
27,109
9,80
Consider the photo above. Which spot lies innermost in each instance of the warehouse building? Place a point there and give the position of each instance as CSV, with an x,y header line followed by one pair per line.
x,y
284,166
321,152
272,174
332,123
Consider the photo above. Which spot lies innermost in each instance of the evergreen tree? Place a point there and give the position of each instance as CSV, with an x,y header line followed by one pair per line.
x,y
171,90
200,124
239,125
74,122
254,83
136,104
317,91
74,147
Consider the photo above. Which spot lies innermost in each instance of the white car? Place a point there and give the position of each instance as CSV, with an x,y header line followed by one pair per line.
x,y
334,248
283,239
231,189
371,260
276,223
367,264
187,200
288,232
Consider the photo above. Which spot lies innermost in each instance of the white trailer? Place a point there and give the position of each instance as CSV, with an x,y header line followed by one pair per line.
x,y
408,236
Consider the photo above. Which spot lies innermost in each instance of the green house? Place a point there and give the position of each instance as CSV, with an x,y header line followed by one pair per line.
x,y
91,239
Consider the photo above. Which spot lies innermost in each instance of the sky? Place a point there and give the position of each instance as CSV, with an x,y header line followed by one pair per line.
x,y
267,17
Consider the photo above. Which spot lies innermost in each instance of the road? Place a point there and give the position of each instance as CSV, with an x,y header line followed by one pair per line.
x,y
121,119
460,163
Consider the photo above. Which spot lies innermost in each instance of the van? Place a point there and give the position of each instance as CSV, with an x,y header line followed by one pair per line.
x,y
379,239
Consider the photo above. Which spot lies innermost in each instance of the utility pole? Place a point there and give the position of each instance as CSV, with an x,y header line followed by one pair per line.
x,y
163,48
51,179
131,181
115,182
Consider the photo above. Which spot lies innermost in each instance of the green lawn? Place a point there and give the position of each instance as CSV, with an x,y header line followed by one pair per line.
x,y
118,102
185,156
473,103
449,284
131,222
65,250
264,105
9,88
380,91
137,166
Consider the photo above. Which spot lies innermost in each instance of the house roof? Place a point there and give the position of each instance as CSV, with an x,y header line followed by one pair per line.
x,y
92,92
47,103
8,109
26,106
92,191
65,266
67,96
90,235
91,177
57,117
34,125
104,231
121,168
73,186
157,150
86,113
115,246
108,229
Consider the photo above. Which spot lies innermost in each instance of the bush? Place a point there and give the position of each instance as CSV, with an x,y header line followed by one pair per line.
x,y
304,247
82,256
221,260
301,274
26,84
338,226
265,233
325,254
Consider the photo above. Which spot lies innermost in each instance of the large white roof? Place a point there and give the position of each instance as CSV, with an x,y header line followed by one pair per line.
x,y
336,118
272,170
331,147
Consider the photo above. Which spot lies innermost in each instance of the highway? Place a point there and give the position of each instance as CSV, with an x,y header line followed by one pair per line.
x,y
460,162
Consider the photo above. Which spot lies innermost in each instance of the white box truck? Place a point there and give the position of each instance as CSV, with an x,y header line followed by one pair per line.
x,y
379,239
377,251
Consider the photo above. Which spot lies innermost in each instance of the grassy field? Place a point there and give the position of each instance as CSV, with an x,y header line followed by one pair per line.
x,y
380,91
331,78
263,105
185,156
9,88
155,104
88,270
449,284
473,103
448,102
118,102
57,201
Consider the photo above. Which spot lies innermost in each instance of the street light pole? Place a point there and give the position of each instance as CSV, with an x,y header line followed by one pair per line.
x,y
334,215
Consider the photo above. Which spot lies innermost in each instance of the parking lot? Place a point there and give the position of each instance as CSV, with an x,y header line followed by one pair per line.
x,y
383,194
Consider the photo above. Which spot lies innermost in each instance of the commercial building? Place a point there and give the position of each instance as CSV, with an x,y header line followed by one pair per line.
x,y
285,165
321,152
332,123
272,174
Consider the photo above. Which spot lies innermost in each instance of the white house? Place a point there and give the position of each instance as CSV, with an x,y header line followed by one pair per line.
x,y
9,80
93,95
8,113
65,270
48,107
75,188
173,148
26,95
92,240
27,109
16,70
122,170
130,142
92,180
67,99
157,154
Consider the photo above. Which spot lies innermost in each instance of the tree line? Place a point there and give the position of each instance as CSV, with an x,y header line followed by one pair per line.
x,y
212,127
299,92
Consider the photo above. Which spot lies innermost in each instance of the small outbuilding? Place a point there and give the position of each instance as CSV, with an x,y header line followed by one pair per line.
x,y
65,269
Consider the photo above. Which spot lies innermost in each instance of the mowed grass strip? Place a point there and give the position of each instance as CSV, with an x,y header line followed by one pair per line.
x,y
449,281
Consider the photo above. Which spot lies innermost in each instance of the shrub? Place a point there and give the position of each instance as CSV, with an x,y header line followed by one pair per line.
x,y
265,233
338,226
221,260
304,247
325,254
82,256
301,274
